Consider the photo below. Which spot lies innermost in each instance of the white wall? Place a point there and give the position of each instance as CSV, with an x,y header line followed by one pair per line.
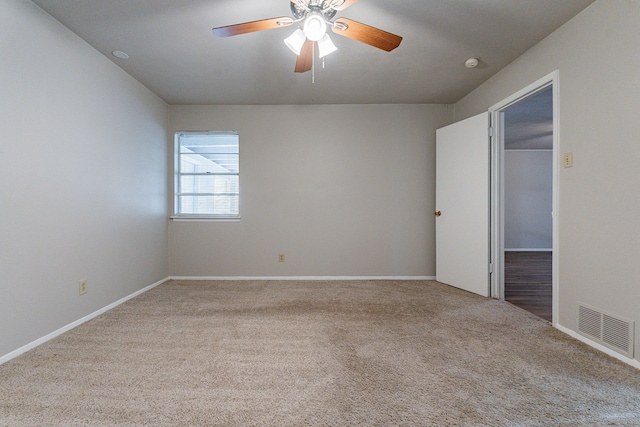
x,y
341,190
82,178
528,183
598,57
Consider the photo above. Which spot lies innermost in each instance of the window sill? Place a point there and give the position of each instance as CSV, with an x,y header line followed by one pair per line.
x,y
204,218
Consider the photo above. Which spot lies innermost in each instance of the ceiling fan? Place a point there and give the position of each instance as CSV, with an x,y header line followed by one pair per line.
x,y
316,16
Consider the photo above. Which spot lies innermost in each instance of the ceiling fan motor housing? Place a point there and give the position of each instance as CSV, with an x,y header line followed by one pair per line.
x,y
300,8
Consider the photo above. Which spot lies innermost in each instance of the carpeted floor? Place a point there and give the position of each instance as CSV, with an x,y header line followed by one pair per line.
x,y
355,353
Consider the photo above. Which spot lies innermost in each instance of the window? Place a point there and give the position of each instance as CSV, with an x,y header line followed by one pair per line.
x,y
207,175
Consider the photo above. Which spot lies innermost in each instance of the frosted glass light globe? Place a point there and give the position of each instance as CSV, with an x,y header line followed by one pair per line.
x,y
314,26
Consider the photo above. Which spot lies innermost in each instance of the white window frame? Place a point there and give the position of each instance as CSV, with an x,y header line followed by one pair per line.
x,y
177,215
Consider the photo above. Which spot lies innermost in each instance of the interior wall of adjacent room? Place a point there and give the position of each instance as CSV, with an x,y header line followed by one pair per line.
x,y
82,178
528,185
341,190
599,97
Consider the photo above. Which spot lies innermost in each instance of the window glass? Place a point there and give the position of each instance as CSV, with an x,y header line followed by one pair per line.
x,y
207,174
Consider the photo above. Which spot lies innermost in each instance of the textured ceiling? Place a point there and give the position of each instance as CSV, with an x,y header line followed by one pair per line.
x,y
173,52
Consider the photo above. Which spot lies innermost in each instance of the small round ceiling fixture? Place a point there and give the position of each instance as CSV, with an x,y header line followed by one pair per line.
x,y
120,54
471,63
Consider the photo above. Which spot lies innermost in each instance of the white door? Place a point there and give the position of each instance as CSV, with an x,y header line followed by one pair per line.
x,y
462,204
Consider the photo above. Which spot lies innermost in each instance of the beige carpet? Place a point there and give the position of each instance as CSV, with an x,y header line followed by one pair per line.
x,y
359,353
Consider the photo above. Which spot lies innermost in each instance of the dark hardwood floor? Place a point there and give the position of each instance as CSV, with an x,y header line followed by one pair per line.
x,y
527,281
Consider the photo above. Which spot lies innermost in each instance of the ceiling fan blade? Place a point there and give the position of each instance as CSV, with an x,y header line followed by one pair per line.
x,y
253,26
305,59
344,5
366,34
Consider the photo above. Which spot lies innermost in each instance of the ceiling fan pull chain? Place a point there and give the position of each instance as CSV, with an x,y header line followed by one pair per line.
x,y
313,65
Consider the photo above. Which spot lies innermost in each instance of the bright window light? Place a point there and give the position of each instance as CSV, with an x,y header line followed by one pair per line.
x,y
207,175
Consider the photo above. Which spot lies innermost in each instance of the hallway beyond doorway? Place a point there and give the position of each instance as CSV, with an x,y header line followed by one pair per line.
x,y
527,281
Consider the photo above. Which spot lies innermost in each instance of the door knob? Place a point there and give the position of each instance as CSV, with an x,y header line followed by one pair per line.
x,y
437,213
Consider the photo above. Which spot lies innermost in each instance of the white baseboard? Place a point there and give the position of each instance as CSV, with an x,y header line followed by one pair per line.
x,y
302,278
528,250
72,325
633,362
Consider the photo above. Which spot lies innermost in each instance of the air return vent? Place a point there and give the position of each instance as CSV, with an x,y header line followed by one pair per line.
x,y
609,330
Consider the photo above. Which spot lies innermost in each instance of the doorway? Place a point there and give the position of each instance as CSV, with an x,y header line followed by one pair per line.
x,y
524,199
528,183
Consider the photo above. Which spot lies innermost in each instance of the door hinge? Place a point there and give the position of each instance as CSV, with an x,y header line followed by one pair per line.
x,y
490,268
490,132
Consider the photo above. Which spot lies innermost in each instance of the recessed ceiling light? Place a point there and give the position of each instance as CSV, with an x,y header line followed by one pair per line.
x,y
120,54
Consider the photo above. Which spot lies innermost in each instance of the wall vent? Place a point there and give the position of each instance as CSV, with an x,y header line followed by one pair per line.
x,y
611,331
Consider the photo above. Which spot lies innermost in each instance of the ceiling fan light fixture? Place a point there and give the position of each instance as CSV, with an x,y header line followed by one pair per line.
x,y
325,46
315,26
313,18
295,41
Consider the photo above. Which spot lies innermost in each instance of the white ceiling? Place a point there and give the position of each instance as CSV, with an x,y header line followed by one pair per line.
x,y
173,52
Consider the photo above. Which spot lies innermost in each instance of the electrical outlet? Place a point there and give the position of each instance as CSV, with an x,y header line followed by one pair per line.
x,y
568,160
281,258
83,287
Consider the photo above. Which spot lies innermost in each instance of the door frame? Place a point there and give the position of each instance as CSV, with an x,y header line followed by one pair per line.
x,y
497,186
